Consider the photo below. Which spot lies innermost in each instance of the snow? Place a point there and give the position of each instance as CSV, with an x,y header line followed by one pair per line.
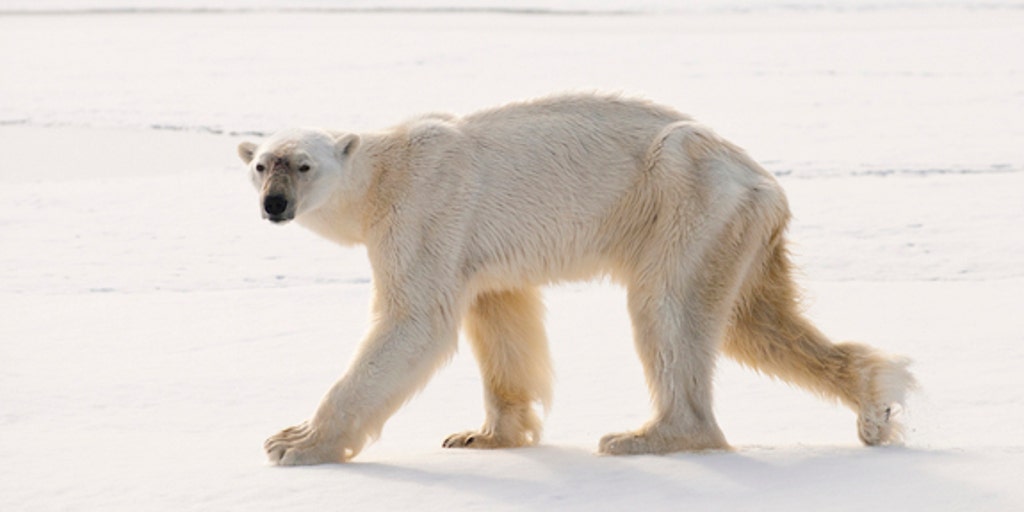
x,y
155,330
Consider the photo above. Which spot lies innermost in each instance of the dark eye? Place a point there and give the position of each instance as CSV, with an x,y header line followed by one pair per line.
x,y
260,168
303,168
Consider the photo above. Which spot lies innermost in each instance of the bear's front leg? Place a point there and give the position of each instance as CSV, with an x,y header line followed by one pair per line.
x,y
395,360
506,331
305,444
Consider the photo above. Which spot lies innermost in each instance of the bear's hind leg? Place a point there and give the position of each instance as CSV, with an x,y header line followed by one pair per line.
x,y
681,295
676,340
506,331
769,334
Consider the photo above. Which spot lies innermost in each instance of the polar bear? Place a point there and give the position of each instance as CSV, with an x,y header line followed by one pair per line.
x,y
464,218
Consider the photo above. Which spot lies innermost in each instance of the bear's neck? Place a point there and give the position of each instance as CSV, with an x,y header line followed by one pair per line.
x,y
336,222
342,219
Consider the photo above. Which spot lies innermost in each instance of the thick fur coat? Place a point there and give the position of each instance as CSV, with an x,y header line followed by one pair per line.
x,y
465,217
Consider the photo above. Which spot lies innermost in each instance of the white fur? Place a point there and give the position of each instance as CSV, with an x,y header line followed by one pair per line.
x,y
463,218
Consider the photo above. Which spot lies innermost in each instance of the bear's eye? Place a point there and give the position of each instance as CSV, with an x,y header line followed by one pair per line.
x,y
304,168
260,167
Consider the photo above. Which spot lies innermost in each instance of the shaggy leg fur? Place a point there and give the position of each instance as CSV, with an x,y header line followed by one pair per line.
x,y
680,302
769,334
507,335
678,358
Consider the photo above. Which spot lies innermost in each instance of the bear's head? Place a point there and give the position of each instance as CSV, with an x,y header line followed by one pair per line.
x,y
297,171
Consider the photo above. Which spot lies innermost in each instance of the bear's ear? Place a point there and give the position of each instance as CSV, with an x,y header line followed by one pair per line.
x,y
246,151
345,145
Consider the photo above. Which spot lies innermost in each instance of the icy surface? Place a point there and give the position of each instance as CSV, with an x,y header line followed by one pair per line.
x,y
155,331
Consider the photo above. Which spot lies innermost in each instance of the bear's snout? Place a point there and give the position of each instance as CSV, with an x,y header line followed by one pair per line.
x,y
275,206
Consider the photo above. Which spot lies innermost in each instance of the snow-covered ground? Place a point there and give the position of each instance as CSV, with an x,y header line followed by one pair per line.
x,y
153,330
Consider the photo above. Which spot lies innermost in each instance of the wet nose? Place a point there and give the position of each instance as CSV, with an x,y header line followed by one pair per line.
x,y
275,205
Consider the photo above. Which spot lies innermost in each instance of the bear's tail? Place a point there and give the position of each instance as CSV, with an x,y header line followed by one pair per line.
x,y
769,334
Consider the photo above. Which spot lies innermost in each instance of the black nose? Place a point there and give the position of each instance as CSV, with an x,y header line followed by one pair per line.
x,y
275,205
